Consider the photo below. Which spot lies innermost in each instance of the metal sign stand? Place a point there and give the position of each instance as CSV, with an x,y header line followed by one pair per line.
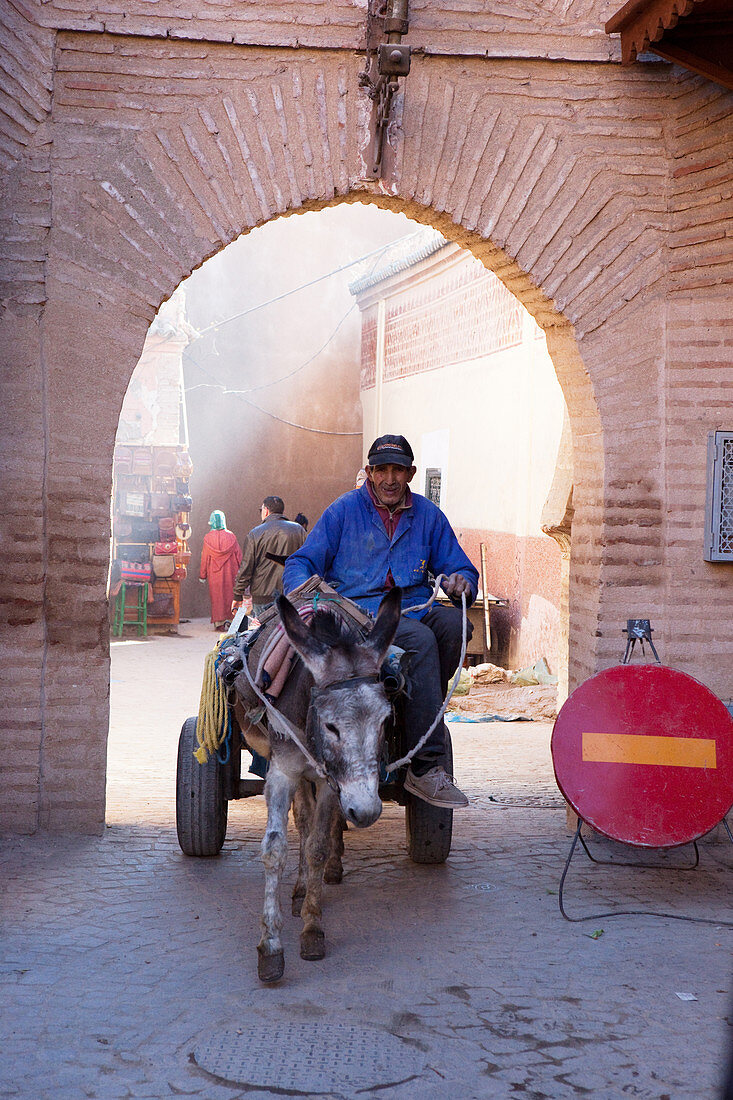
x,y
617,706
624,863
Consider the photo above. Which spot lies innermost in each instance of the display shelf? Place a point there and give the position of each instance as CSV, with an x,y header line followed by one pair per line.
x,y
152,494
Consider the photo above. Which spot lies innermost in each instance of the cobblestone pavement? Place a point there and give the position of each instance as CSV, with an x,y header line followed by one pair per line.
x,y
121,958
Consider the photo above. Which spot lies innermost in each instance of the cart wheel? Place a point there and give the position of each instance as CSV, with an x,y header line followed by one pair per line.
x,y
429,830
201,809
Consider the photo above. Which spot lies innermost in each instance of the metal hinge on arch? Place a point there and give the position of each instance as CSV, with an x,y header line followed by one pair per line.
x,y
389,62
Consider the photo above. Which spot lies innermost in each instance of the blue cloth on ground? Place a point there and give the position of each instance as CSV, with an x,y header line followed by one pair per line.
x,y
487,718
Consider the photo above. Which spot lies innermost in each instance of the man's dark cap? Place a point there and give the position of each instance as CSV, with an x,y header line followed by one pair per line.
x,y
391,450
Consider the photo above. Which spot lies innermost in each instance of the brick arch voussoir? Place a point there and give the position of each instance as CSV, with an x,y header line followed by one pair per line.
x,y
196,163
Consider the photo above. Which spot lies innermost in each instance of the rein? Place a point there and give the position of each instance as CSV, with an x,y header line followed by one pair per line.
x,y
464,620
282,725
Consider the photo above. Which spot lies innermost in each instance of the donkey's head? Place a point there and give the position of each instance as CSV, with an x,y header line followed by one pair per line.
x,y
348,704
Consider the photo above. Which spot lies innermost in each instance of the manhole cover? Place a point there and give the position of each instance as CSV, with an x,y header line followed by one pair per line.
x,y
308,1058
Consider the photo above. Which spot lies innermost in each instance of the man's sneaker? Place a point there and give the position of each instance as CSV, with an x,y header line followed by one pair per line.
x,y
435,787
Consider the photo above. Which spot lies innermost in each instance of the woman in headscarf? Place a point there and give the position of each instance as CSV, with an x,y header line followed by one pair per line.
x,y
220,558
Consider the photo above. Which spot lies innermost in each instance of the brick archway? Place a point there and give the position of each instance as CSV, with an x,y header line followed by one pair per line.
x,y
148,155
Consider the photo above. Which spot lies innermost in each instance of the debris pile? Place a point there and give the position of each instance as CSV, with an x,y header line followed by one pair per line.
x,y
490,691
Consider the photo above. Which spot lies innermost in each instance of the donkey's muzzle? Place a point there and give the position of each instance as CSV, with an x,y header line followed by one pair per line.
x,y
361,813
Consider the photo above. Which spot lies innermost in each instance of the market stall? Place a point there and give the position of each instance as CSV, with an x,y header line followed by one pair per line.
x,y
150,533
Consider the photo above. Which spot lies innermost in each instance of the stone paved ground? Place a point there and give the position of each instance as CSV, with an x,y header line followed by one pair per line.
x,y
121,957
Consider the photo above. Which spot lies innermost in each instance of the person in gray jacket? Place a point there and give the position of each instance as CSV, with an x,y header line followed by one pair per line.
x,y
276,536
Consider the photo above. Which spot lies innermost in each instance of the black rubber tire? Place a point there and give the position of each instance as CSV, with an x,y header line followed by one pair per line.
x,y
428,829
201,808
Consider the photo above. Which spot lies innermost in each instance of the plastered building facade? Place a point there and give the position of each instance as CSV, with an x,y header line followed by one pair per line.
x,y
437,325
136,142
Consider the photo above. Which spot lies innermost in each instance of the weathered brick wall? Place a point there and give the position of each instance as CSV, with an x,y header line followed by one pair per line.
x,y
535,28
699,375
25,215
574,181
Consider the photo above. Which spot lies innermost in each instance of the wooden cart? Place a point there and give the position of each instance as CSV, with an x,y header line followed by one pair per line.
x,y
204,791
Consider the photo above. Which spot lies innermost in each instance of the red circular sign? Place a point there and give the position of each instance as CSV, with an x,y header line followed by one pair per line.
x,y
644,754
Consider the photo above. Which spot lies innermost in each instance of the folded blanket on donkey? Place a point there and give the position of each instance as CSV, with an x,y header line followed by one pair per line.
x,y
270,659
270,656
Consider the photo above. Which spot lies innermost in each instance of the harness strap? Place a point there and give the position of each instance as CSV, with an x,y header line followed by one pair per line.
x,y
283,726
279,722
408,756
336,685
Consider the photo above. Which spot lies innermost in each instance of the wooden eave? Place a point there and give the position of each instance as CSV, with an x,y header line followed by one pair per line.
x,y
697,34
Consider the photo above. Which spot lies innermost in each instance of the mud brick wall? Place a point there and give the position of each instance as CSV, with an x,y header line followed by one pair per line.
x,y
25,216
136,140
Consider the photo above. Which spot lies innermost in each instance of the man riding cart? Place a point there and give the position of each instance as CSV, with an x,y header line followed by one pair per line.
x,y
371,541
379,536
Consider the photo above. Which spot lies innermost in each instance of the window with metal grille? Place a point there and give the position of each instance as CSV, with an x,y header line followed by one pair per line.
x,y
432,485
719,510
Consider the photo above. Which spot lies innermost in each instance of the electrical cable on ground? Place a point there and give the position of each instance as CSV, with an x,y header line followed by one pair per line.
x,y
635,912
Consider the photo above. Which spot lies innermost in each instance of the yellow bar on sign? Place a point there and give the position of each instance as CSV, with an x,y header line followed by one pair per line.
x,y
638,748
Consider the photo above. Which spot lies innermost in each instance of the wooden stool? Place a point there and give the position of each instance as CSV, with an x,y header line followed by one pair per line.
x,y
140,608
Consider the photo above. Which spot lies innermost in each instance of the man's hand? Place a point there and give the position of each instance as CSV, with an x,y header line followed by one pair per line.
x,y
236,604
456,585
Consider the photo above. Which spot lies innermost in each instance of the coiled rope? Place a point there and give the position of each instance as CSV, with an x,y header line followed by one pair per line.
x,y
213,725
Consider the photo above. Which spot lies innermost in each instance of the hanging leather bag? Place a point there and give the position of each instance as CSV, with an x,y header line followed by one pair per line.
x,y
184,466
134,552
131,503
165,462
123,461
164,565
167,528
142,461
160,504
144,530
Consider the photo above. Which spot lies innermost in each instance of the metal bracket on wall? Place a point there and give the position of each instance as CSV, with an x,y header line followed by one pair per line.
x,y
386,62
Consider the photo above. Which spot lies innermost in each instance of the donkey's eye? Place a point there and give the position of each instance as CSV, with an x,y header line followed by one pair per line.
x,y
333,729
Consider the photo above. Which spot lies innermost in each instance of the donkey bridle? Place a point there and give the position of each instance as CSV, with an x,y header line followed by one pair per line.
x,y
337,685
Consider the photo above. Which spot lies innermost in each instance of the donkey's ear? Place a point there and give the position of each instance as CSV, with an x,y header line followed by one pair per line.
x,y
310,649
385,628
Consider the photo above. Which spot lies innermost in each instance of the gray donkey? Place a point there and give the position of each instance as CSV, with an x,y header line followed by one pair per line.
x,y
335,696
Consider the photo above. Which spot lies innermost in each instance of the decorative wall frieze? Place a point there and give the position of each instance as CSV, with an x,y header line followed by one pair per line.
x,y
641,23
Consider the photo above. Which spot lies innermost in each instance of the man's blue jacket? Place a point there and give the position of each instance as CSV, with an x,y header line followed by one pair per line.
x,y
350,549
